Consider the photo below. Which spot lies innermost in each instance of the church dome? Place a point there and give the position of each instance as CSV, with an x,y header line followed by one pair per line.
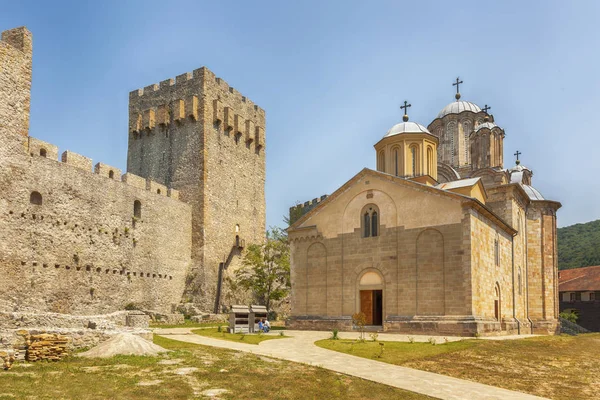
x,y
457,107
406,127
488,125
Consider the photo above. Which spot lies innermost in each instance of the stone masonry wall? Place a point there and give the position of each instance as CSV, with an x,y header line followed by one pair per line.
x,y
487,273
202,137
81,250
15,80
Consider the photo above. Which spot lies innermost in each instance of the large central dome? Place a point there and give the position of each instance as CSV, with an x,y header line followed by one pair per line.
x,y
406,127
457,107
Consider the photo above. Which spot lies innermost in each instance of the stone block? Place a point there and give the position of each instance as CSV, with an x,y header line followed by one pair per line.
x,y
43,149
172,319
191,107
134,180
77,160
162,115
249,132
107,171
179,110
137,320
135,123
260,137
149,119
217,111
228,118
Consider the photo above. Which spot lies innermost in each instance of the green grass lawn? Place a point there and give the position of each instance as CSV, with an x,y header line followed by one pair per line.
x,y
253,338
394,352
183,374
558,367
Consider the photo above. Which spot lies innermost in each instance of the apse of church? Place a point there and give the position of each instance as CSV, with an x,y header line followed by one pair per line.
x,y
441,239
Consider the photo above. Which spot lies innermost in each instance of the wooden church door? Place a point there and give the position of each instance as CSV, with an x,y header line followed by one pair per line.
x,y
366,305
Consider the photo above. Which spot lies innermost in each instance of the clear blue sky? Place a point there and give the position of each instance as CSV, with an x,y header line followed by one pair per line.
x,y
331,75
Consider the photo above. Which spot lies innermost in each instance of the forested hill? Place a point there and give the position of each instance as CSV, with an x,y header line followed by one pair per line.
x,y
579,245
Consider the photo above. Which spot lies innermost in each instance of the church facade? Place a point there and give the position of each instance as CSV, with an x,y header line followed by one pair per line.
x,y
440,239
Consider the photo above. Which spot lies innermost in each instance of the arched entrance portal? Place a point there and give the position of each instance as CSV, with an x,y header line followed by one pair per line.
x,y
370,289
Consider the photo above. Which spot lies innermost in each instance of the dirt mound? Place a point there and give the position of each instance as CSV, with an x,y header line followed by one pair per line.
x,y
124,344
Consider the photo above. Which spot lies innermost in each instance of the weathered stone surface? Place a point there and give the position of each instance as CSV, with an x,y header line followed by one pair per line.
x,y
219,171
137,320
16,48
77,241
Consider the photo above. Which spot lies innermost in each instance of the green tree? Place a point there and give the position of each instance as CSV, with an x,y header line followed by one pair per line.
x,y
266,268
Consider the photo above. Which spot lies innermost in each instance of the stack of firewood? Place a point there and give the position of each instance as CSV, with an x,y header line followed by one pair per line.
x,y
44,346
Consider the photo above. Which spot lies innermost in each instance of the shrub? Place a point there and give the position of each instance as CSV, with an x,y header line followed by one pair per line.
x,y
281,333
374,336
570,316
360,320
411,339
432,341
334,334
131,306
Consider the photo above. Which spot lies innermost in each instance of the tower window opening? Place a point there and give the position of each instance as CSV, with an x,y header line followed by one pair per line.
x,y
111,174
137,209
43,152
35,198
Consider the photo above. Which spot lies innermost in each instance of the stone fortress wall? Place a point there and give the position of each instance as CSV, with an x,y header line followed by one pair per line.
x,y
73,240
15,80
202,137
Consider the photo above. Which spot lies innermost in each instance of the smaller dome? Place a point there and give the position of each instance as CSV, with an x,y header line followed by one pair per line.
x,y
457,107
520,174
488,125
406,127
532,192
518,168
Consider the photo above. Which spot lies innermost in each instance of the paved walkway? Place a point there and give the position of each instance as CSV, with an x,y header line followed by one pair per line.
x,y
301,348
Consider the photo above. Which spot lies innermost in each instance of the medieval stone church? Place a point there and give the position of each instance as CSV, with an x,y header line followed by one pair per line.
x,y
440,239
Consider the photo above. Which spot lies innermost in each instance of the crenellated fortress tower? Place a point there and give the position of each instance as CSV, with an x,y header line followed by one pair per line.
x,y
200,136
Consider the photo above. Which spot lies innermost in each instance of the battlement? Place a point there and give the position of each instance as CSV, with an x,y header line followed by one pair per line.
x,y
20,38
199,76
38,148
296,212
16,46
193,97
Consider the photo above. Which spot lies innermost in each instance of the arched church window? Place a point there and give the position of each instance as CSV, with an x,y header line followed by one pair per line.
x,y
497,251
374,224
381,162
367,225
450,133
430,161
370,221
396,162
467,132
413,160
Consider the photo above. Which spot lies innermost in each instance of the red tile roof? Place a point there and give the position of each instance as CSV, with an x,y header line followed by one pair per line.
x,y
579,279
